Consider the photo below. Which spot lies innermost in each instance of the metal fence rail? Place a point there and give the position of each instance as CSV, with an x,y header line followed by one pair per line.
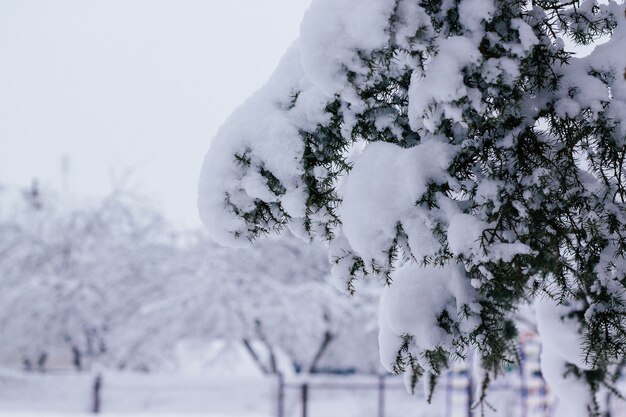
x,y
532,397
524,385
380,385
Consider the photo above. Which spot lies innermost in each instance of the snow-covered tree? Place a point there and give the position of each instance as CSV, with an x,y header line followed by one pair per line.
x,y
70,275
108,281
273,299
462,153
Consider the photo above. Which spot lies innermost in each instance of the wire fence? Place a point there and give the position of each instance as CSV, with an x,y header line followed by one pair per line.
x,y
526,399
520,392
379,386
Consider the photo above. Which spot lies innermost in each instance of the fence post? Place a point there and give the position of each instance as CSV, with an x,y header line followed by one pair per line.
x,y
470,387
523,380
305,399
543,393
97,388
449,394
381,395
280,410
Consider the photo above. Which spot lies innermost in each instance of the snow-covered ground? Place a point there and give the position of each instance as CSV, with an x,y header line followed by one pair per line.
x,y
168,395
48,414
134,394
138,395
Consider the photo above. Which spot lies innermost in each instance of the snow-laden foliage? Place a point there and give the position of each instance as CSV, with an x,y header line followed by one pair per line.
x,y
459,151
69,277
109,282
273,298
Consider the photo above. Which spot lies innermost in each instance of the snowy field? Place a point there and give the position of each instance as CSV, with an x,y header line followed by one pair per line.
x,y
133,394
167,395
143,395
54,414
136,395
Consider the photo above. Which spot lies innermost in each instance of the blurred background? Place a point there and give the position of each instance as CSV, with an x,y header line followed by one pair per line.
x,y
112,298
92,91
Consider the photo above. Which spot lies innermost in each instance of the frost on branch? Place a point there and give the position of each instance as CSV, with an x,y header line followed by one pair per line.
x,y
459,152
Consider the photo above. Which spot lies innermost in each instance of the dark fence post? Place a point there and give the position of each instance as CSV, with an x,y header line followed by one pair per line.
x,y
523,380
280,410
470,388
381,395
305,399
543,392
449,394
96,394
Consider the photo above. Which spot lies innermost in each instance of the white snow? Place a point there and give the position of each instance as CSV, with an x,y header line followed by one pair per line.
x,y
473,12
413,303
442,83
334,31
136,395
382,190
561,345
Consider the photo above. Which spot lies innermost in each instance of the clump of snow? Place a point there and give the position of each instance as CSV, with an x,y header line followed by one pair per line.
x,y
473,12
605,59
527,37
415,301
382,190
266,122
442,83
334,31
464,234
561,345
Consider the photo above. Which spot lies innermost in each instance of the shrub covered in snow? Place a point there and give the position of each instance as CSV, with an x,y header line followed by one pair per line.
x,y
461,153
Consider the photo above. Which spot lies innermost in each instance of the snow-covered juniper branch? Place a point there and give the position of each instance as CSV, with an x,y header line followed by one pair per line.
x,y
462,152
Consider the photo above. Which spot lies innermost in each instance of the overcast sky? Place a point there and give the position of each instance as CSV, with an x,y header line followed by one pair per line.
x,y
129,86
